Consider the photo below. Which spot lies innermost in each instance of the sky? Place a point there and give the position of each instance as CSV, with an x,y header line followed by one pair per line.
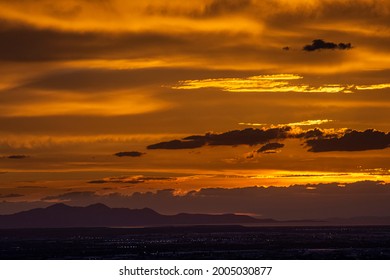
x,y
276,109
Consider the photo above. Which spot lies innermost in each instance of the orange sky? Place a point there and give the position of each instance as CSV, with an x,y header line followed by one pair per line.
x,y
202,95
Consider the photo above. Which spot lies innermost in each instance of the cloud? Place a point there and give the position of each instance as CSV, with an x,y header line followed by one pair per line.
x,y
270,148
302,123
84,29
351,141
272,83
31,187
310,201
313,133
267,83
130,180
222,7
318,140
178,144
307,123
129,154
12,195
247,136
61,45
70,196
319,44
372,87
17,157
10,207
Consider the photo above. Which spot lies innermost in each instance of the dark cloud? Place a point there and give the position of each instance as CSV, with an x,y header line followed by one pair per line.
x,y
247,136
17,157
351,141
70,196
311,201
9,207
223,7
51,44
270,147
31,187
312,133
320,44
210,9
331,13
11,195
129,154
178,144
100,181
317,139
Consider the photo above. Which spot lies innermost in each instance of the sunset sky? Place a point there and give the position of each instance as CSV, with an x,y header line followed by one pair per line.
x,y
272,108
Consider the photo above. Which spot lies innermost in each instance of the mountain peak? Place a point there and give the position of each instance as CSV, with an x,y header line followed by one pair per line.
x,y
59,206
98,206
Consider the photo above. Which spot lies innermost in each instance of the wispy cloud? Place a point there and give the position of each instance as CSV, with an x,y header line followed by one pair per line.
x,y
302,123
130,179
272,83
308,123
11,195
249,84
371,87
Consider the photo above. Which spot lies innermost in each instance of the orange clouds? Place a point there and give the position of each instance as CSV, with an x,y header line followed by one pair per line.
x,y
270,83
302,123
56,104
82,80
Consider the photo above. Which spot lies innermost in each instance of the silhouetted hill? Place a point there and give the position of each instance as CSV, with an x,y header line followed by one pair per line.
x,y
367,220
99,215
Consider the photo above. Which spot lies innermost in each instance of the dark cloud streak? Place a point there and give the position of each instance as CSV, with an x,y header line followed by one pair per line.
x,y
17,156
270,147
129,154
247,136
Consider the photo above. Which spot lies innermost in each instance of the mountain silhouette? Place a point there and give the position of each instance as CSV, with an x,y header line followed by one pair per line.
x,y
100,215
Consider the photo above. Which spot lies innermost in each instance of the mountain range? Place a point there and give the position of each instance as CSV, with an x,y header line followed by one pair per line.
x,y
100,215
